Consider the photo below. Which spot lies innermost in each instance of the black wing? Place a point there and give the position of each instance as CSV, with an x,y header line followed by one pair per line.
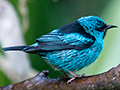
x,y
59,41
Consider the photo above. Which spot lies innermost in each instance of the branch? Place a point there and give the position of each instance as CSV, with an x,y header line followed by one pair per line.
x,y
109,80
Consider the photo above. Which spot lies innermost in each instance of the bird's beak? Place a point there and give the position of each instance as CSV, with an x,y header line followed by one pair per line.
x,y
110,26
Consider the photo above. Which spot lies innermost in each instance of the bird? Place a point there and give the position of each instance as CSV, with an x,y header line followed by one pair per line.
x,y
70,47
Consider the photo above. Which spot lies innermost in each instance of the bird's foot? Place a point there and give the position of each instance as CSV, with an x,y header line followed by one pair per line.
x,y
66,76
62,77
74,76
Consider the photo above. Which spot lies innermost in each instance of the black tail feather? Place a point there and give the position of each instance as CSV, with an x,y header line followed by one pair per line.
x,y
14,48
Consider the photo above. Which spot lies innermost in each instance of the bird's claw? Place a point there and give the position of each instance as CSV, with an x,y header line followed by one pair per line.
x,y
70,80
74,77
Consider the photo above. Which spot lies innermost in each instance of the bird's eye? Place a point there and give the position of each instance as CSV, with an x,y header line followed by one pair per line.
x,y
101,28
97,29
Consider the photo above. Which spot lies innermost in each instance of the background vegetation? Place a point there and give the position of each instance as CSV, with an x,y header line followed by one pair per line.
x,y
46,15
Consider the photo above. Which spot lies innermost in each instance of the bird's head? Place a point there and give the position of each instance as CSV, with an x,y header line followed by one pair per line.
x,y
94,25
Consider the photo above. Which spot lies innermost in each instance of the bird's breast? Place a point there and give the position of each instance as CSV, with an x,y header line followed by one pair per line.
x,y
74,59
98,43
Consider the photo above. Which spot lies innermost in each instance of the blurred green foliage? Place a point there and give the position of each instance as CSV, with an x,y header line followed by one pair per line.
x,y
46,15
3,79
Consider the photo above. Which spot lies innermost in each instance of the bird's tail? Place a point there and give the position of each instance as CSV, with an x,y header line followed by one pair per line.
x,y
21,48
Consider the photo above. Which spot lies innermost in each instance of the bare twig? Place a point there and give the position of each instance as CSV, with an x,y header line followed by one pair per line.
x,y
109,80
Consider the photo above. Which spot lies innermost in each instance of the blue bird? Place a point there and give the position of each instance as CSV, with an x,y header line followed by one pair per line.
x,y
72,46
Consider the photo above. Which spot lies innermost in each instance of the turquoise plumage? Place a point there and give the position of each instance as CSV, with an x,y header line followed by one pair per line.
x,y
70,47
